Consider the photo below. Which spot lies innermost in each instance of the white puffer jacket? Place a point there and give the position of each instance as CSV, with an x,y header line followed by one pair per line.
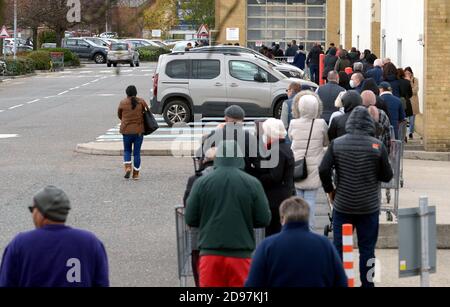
x,y
299,132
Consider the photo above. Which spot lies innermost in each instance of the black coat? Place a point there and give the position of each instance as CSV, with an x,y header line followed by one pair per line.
x,y
328,94
406,93
337,129
361,161
330,63
278,183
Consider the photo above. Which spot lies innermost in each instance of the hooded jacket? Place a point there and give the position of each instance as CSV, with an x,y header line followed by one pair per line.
x,y
226,205
299,133
361,162
343,62
350,100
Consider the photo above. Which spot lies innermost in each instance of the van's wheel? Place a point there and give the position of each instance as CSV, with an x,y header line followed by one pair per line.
x,y
99,58
277,110
176,111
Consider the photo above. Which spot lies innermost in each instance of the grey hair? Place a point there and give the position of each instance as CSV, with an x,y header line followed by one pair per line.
x,y
294,209
358,66
333,76
297,98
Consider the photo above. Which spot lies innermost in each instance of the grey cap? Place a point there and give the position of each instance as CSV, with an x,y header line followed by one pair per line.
x,y
235,112
52,203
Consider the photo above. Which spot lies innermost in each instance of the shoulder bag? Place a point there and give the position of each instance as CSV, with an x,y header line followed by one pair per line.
x,y
150,123
300,169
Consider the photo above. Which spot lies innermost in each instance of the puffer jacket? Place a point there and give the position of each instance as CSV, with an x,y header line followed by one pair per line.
x,y
361,162
132,120
299,130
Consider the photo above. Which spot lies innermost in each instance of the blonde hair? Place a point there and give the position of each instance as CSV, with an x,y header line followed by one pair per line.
x,y
338,102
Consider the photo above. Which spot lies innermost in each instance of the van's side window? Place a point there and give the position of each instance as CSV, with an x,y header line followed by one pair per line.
x,y
178,69
205,69
246,71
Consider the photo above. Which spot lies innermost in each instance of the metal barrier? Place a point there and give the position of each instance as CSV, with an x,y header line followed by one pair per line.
x,y
57,61
187,238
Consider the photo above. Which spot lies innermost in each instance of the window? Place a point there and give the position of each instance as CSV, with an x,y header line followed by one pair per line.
x,y
205,69
83,44
246,71
119,47
178,69
71,42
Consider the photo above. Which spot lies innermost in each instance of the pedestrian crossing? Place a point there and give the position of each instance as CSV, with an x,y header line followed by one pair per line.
x,y
191,132
89,73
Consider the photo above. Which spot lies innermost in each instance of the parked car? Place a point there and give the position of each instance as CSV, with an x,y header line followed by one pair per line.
x,y
288,70
97,41
48,45
86,49
109,35
122,53
181,45
207,83
9,50
140,42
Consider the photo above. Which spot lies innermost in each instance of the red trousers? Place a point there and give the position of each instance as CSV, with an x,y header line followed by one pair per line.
x,y
222,272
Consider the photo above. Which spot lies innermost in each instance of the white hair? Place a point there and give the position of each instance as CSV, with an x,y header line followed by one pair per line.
x,y
378,63
274,129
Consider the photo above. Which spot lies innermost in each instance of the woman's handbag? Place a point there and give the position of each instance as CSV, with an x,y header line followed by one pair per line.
x,y
150,123
300,168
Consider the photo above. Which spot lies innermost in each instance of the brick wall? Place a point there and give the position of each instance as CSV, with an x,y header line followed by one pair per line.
x,y
333,22
237,19
436,76
348,24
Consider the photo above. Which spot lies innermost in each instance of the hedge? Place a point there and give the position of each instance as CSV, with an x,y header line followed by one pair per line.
x,y
20,66
70,58
151,53
41,59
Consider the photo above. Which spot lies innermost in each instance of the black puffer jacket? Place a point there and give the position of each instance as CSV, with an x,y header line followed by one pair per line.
x,y
350,100
361,162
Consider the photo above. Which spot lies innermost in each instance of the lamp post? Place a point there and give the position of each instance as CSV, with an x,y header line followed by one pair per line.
x,y
15,29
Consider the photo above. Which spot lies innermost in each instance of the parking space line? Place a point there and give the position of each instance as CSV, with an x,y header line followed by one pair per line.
x,y
15,107
65,92
30,102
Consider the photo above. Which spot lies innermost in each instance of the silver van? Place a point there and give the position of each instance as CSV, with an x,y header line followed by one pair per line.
x,y
207,83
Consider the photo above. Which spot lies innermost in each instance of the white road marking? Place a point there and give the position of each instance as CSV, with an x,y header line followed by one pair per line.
x,y
6,80
48,97
86,72
30,102
96,80
1,111
86,84
128,70
106,95
147,70
15,107
65,92
8,136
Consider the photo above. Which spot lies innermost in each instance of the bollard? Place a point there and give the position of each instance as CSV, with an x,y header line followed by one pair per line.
x,y
321,69
347,248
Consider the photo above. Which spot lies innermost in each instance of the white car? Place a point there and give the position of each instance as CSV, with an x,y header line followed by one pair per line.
x,y
207,83
141,42
181,46
109,35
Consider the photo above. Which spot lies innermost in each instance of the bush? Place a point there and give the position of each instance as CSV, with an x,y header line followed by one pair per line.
x,y
41,59
47,37
70,58
151,53
21,66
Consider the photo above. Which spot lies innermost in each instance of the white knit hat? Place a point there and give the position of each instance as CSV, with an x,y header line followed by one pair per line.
x,y
274,129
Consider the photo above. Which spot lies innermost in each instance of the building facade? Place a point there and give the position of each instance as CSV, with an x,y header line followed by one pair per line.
x,y
259,22
413,33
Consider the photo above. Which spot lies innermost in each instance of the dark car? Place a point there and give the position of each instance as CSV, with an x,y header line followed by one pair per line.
x,y
86,49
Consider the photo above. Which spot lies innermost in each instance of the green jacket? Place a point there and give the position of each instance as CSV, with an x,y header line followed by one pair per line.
x,y
226,206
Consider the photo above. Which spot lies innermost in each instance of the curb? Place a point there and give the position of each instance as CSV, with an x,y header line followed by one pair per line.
x,y
158,150
388,236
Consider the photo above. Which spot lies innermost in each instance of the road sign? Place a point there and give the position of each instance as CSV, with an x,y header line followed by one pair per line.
x,y
203,31
4,33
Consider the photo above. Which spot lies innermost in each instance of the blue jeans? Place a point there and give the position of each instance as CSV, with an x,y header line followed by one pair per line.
x,y
367,232
132,143
314,70
310,197
412,123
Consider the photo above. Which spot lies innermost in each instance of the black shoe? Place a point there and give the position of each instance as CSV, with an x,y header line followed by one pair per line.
x,y
411,136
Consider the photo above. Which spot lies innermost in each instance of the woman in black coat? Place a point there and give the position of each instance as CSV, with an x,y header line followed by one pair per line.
x,y
406,92
278,179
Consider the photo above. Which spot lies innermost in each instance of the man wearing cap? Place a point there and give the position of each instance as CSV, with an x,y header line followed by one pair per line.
x,y
396,112
54,255
233,129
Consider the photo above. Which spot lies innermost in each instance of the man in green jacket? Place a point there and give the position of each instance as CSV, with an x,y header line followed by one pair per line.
x,y
226,206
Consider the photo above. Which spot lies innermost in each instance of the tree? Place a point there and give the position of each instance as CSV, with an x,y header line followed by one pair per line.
x,y
198,12
162,14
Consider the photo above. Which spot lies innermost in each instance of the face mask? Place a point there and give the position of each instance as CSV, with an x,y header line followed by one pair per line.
x,y
352,84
